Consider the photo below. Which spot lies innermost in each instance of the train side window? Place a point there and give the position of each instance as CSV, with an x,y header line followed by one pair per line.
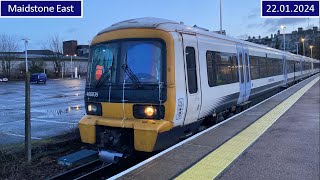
x,y
222,68
281,65
211,69
297,64
225,68
234,68
254,67
270,67
191,70
276,66
263,67
292,66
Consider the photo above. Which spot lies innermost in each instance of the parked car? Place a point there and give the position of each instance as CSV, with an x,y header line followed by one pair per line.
x,y
3,78
38,77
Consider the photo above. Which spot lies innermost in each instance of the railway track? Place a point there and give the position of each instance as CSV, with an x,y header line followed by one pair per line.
x,y
96,170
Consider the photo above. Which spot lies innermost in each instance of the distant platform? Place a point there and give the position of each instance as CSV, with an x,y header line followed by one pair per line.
x,y
275,139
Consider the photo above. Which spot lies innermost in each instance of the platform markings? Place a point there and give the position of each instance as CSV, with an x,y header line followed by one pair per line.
x,y
216,162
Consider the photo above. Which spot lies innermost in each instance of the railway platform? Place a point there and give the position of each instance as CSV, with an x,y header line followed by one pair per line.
x,y
275,139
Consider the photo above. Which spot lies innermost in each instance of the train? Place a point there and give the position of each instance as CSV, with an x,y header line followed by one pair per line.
x,y
152,82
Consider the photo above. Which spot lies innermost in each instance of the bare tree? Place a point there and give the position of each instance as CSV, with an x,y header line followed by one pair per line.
x,y
55,44
8,53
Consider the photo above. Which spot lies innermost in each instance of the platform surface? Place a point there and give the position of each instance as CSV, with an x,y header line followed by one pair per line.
x,y
277,139
289,149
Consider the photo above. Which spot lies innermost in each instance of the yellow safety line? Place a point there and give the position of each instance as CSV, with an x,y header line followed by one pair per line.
x,y
217,161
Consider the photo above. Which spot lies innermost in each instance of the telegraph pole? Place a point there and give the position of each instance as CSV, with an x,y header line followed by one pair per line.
x,y
27,128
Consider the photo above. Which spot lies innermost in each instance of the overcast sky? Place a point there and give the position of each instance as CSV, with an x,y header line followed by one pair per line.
x,y
240,17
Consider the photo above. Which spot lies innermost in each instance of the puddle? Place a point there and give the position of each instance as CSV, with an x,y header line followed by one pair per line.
x,y
37,113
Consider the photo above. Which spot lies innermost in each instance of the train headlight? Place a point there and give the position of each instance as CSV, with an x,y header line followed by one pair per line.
x,y
94,109
148,111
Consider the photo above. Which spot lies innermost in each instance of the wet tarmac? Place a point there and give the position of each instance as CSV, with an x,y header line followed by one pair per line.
x,y
56,108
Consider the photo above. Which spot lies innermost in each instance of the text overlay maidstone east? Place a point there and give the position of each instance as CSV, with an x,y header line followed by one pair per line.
x,y
41,8
35,8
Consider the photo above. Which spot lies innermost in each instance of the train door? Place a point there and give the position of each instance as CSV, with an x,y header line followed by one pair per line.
x,y
300,67
190,47
241,75
246,68
285,69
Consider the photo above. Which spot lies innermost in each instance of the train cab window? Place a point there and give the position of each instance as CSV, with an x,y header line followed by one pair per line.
x,y
191,70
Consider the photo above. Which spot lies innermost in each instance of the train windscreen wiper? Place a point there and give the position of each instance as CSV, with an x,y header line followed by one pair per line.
x,y
129,72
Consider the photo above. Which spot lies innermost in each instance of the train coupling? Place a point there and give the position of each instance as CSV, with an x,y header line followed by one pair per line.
x,y
109,156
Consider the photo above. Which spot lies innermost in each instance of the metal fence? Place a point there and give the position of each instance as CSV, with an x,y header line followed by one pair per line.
x,y
56,108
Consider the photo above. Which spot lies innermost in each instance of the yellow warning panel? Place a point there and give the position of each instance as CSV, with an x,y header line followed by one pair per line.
x,y
217,161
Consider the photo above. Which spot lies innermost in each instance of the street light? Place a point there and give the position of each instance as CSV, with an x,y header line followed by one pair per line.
x,y
220,17
311,50
284,37
71,65
304,52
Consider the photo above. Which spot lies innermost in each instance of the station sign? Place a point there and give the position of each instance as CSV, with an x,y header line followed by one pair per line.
x,y
41,9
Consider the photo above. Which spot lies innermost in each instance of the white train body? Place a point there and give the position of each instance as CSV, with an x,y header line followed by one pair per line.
x,y
208,75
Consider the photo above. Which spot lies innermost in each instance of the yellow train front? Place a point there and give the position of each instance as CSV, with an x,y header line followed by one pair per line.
x,y
130,93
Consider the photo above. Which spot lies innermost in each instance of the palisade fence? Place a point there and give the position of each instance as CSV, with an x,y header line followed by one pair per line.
x,y
55,110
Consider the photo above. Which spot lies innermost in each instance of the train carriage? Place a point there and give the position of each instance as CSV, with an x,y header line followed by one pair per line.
x,y
153,81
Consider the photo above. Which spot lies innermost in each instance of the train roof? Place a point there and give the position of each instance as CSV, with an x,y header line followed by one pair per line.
x,y
172,26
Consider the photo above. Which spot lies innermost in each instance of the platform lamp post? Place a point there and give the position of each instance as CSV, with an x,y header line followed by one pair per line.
x,y
284,37
304,51
27,127
311,50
